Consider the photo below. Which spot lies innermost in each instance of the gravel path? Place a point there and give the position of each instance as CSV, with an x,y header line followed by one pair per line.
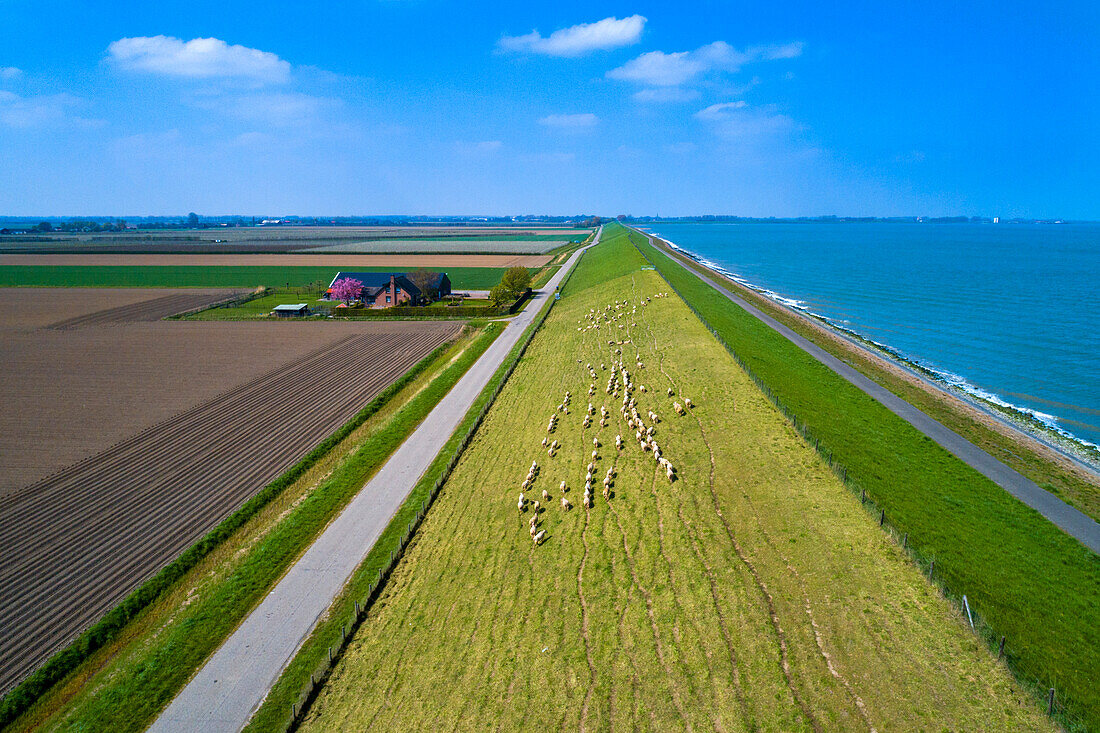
x,y
234,681
1073,522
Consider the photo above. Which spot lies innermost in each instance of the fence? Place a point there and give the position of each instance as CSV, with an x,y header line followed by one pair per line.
x,y
457,311
319,676
926,563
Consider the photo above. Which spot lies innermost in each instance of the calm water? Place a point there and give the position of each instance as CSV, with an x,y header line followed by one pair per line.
x,y
1007,311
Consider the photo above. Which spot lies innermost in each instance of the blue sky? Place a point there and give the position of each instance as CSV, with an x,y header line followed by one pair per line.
x,y
426,107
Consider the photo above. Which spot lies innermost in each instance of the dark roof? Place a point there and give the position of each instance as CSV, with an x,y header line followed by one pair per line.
x,y
369,279
376,282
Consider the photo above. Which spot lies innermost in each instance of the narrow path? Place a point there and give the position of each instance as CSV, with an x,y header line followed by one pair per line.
x,y
1072,521
226,691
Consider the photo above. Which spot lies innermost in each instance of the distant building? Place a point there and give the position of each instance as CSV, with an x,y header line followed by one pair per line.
x,y
389,289
996,220
291,310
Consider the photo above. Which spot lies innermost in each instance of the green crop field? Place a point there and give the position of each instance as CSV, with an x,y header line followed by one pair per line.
x,y
211,276
752,592
1031,582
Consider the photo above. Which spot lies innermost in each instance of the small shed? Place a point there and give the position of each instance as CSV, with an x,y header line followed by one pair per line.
x,y
291,310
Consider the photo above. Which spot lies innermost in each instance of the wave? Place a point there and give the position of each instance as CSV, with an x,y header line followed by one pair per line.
x,y
948,378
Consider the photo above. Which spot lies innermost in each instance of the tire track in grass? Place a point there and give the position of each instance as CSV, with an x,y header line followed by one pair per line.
x,y
761,586
825,656
652,620
735,671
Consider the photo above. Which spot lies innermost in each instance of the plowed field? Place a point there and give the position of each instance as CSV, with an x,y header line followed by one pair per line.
x,y
78,540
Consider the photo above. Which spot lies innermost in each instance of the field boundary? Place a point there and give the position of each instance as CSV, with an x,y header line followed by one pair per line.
x,y
346,606
59,665
1057,709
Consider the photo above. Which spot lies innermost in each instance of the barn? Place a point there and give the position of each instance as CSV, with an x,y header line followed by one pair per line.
x,y
291,310
388,289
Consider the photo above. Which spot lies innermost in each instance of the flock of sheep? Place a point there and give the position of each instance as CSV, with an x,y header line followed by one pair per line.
x,y
620,384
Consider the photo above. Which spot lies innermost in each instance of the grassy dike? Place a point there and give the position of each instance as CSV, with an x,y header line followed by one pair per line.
x,y
121,684
311,665
751,593
1030,581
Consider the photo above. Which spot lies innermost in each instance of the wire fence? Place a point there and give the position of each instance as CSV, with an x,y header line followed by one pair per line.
x,y
926,562
347,630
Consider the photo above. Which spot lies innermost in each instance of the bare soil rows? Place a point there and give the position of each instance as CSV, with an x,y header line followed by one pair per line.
x,y
154,309
78,541
345,261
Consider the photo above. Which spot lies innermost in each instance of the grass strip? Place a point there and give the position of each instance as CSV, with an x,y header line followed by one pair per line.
x,y
1015,567
134,698
213,276
309,669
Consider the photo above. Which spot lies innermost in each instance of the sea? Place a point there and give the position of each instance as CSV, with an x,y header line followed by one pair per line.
x,y
1007,312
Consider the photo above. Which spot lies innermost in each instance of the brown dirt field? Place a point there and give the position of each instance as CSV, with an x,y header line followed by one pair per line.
x,y
24,309
287,260
123,444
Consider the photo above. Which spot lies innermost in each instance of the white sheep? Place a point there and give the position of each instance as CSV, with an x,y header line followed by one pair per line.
x,y
678,408
561,486
687,403
565,504
522,503
540,537
670,392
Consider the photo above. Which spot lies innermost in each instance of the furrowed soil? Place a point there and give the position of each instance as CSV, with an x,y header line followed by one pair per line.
x,y
752,592
345,261
187,420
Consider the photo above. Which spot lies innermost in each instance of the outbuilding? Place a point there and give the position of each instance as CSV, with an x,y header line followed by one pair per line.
x,y
291,310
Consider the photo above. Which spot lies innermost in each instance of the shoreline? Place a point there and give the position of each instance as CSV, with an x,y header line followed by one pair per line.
x,y
989,407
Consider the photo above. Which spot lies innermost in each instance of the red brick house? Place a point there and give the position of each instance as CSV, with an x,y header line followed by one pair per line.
x,y
388,289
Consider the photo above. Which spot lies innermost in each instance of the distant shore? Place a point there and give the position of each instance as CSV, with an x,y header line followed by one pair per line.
x,y
994,412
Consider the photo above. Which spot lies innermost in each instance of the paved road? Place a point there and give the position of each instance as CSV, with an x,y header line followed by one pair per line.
x,y
1070,520
235,680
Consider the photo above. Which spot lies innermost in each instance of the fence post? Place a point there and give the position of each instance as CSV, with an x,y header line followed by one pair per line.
x,y
905,541
932,568
882,518
1050,704
1001,651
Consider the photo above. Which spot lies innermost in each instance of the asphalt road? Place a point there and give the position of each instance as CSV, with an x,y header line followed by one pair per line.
x,y
1072,521
234,681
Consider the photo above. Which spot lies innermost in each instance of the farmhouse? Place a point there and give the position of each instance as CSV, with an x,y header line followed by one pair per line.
x,y
388,289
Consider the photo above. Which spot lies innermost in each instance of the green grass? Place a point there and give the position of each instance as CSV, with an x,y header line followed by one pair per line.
x,y
1030,581
212,276
274,712
752,593
126,684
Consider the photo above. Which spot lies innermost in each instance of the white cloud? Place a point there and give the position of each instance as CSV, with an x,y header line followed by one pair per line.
x,y
10,72
720,111
277,109
199,58
579,39
48,109
660,69
581,121
735,121
665,94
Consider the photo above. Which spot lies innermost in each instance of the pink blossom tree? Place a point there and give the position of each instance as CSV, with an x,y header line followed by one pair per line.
x,y
347,289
